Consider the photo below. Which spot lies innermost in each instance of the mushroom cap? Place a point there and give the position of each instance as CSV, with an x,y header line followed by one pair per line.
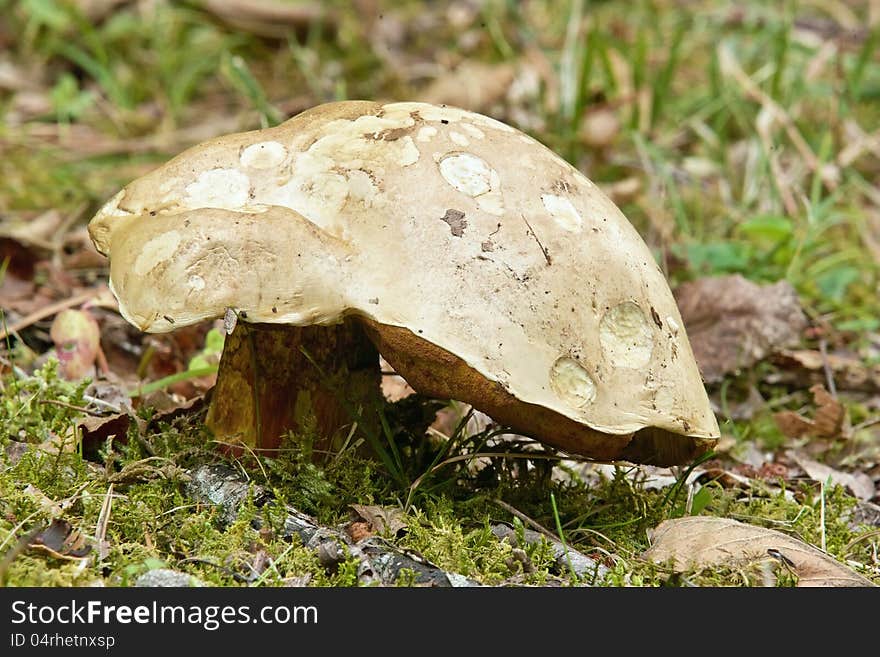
x,y
454,236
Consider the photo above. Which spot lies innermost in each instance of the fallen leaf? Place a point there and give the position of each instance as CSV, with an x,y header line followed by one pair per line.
x,y
95,431
38,231
829,419
77,339
472,85
172,409
858,483
270,18
45,502
14,450
733,323
791,424
380,519
850,372
701,542
865,513
17,285
61,540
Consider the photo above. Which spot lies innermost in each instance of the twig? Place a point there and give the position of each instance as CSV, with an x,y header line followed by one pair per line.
x,y
863,143
56,402
535,235
870,422
100,402
822,513
858,539
522,516
48,311
829,375
101,527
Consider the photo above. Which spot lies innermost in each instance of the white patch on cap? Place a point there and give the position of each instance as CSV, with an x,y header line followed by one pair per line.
x,y
437,113
157,250
626,336
409,152
459,138
196,282
492,201
562,210
572,383
325,194
361,187
111,208
467,173
218,188
348,162
473,131
673,325
263,155
425,133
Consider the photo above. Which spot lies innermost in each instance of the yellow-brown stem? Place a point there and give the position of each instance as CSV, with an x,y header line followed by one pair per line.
x,y
275,379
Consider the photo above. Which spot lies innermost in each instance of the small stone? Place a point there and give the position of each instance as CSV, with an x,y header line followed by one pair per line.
x,y
166,577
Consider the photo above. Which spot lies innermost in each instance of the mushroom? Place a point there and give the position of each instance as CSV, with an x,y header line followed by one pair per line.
x,y
481,265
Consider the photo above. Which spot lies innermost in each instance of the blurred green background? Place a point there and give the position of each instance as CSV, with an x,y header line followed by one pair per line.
x,y
737,136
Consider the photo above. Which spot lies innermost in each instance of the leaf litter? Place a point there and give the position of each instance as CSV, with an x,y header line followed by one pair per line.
x,y
733,323
703,542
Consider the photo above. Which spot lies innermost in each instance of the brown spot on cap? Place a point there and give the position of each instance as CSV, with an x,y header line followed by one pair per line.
x,y
391,134
457,222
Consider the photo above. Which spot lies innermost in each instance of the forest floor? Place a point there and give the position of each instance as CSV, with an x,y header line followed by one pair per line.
x,y
741,141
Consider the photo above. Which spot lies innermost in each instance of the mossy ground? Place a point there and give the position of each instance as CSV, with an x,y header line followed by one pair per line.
x,y
725,183
449,518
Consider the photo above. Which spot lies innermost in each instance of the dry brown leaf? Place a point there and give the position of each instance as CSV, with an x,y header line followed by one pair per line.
x,y
733,323
860,484
95,431
270,18
40,231
62,541
46,503
705,542
848,370
791,424
829,419
871,234
380,519
17,285
473,86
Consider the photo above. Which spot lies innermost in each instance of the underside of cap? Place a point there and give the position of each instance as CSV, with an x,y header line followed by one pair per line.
x,y
490,269
440,374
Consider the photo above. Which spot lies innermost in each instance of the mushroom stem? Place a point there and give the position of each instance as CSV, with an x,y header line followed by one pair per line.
x,y
312,381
